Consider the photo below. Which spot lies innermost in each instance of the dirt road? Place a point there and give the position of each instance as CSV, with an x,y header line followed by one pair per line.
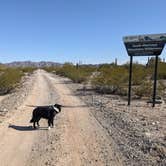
x,y
77,139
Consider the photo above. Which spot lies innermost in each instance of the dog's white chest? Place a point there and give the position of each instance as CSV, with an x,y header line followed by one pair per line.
x,y
56,109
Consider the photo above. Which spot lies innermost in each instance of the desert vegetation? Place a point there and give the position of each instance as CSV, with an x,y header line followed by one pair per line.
x,y
77,73
103,78
113,79
10,77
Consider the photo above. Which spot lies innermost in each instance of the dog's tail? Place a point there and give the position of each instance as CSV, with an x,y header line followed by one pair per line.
x,y
32,120
32,105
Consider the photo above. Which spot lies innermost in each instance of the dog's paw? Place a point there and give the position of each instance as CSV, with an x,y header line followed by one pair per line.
x,y
49,128
34,127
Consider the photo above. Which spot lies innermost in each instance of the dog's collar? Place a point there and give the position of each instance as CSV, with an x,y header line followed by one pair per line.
x,y
56,109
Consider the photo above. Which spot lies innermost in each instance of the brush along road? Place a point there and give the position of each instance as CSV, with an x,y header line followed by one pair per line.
x,y
77,139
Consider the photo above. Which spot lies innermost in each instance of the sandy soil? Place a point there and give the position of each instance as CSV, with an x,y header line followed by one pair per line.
x,y
77,138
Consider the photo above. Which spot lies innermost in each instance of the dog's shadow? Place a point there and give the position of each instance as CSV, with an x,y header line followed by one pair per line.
x,y
25,128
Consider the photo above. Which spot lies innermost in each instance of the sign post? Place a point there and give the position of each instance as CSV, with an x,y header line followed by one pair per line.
x,y
155,80
144,45
130,78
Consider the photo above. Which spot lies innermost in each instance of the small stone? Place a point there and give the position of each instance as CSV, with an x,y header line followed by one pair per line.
x,y
46,163
148,134
53,148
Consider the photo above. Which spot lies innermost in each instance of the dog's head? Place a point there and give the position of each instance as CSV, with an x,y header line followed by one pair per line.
x,y
58,106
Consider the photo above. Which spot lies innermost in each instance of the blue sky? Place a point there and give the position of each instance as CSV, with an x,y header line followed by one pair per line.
x,y
90,31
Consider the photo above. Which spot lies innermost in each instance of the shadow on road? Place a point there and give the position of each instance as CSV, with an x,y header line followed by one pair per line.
x,y
25,128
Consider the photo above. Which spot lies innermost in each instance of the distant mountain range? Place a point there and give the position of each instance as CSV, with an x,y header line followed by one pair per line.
x,y
32,64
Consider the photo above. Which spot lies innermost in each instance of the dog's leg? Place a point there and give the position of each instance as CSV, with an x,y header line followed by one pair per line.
x,y
37,120
49,124
34,125
52,123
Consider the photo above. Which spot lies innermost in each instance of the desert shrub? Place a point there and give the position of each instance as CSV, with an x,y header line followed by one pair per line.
x,y
2,67
144,90
77,74
27,69
139,74
9,78
162,70
110,79
161,88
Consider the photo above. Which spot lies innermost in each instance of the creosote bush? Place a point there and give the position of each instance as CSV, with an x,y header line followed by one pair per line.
x,y
110,79
10,77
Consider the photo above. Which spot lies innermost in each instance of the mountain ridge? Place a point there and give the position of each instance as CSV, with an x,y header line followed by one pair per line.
x,y
32,64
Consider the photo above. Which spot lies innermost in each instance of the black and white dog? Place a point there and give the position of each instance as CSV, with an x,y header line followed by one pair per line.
x,y
46,112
